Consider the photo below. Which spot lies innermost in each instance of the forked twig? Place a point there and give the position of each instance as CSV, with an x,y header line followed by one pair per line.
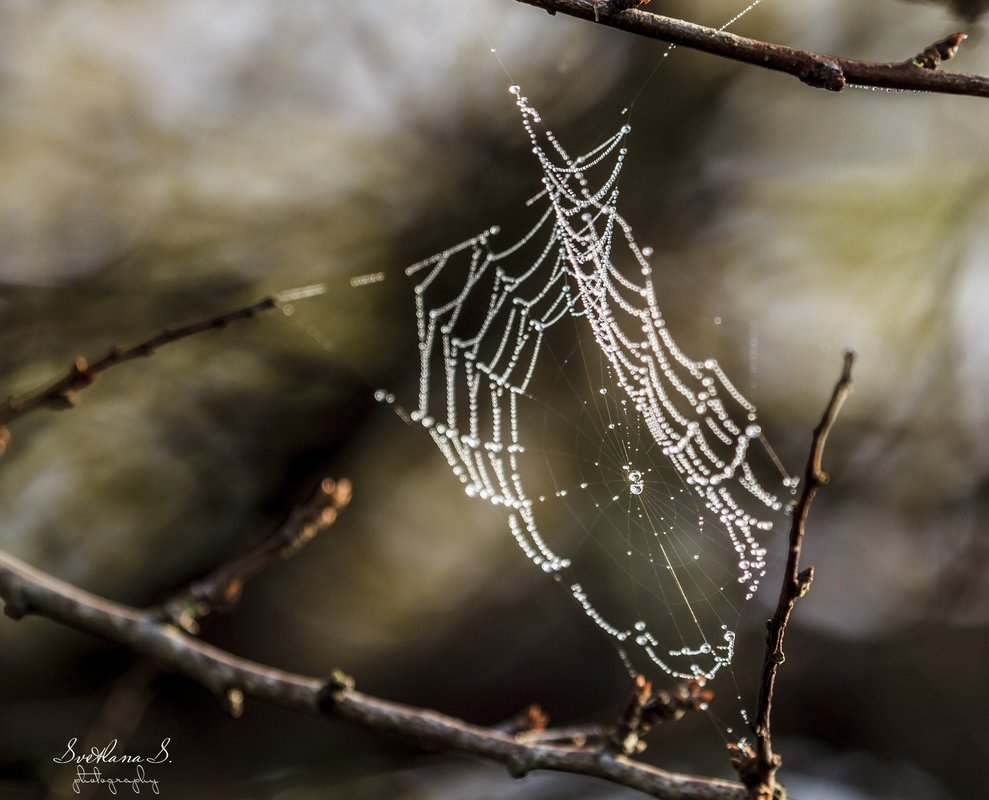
x,y
757,767
919,73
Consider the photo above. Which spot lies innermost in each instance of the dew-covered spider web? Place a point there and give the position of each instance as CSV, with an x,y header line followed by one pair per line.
x,y
635,475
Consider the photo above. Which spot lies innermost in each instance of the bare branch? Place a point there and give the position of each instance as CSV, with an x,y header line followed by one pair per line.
x,y
62,392
834,73
26,590
757,767
222,587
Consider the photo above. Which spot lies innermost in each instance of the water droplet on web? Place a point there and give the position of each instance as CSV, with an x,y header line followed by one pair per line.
x,y
514,89
634,476
717,320
647,252
636,488
753,431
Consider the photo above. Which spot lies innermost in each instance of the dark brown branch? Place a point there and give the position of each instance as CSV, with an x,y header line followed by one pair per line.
x,y
62,392
222,587
26,590
757,767
834,73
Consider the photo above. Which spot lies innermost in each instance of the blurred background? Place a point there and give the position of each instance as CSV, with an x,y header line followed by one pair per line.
x,y
163,161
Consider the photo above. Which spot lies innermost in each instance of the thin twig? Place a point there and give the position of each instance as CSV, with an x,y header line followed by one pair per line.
x,y
62,392
757,768
222,587
919,73
26,590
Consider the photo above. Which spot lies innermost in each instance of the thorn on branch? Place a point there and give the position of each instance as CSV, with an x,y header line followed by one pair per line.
x,y
942,50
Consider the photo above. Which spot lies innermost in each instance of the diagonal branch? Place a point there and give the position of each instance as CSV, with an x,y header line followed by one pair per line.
x,y
222,587
757,767
26,590
919,73
62,392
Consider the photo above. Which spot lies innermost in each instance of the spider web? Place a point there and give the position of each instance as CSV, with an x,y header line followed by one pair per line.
x,y
550,383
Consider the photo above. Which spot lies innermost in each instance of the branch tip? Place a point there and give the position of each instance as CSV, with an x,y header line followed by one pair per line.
x,y
942,50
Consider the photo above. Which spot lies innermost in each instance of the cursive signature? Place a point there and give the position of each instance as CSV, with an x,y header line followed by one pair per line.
x,y
105,755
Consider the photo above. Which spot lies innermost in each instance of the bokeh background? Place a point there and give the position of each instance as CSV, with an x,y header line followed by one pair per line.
x,y
162,161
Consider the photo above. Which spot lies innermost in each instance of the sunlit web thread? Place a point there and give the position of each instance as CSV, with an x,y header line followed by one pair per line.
x,y
479,348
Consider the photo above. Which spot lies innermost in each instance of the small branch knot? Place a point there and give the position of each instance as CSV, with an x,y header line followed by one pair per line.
x,y
804,580
824,73
517,767
16,605
337,685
